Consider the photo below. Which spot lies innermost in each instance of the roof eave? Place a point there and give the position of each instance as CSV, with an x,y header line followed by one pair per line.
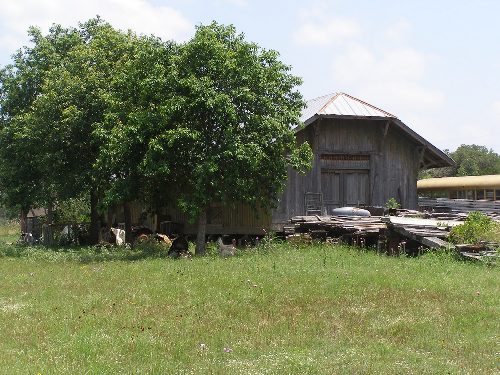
x,y
312,119
437,158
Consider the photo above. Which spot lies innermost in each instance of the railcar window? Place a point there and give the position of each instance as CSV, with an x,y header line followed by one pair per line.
x,y
479,194
471,194
497,194
490,195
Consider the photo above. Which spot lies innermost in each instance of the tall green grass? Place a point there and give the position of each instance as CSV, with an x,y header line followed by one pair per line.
x,y
9,230
275,310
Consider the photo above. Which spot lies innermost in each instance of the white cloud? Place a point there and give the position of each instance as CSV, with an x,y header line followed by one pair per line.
x,y
379,65
240,3
392,76
397,32
329,31
140,16
319,28
495,107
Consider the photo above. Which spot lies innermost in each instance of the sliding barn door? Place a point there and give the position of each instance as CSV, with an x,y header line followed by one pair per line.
x,y
356,188
345,180
331,189
345,188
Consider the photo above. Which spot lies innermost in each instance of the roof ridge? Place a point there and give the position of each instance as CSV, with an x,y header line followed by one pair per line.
x,y
334,96
365,103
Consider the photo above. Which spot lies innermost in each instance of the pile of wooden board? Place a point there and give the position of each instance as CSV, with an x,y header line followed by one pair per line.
x,y
429,232
409,228
336,224
491,208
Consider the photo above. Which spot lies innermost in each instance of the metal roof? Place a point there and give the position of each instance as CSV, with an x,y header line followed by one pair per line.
x,y
341,104
487,181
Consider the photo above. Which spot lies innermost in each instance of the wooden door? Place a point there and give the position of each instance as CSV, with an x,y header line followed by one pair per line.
x,y
343,188
356,188
331,187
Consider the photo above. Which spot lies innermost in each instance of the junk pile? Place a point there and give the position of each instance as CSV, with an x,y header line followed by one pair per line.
x,y
405,231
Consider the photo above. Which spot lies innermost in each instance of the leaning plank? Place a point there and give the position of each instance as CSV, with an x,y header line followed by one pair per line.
x,y
425,238
434,242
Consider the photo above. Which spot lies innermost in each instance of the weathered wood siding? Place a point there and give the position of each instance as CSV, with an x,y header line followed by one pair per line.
x,y
356,162
238,219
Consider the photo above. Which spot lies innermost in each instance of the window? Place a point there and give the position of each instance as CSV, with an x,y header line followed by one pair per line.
x,y
479,194
470,194
497,194
490,195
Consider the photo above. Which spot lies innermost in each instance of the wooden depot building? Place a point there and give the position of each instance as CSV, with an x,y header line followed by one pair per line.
x,y
363,156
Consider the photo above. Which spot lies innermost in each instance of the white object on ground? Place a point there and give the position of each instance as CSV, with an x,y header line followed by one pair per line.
x,y
120,236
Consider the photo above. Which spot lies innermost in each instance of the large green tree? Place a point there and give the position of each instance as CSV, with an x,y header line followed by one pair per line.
x,y
471,160
22,183
58,124
138,109
229,134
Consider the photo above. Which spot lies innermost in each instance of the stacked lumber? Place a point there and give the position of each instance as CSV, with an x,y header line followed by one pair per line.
x,y
431,233
491,208
347,224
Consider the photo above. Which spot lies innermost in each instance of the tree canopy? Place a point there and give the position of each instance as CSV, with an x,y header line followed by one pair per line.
x,y
118,117
471,160
229,137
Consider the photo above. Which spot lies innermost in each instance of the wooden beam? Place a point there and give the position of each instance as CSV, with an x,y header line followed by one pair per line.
x,y
317,157
386,128
421,156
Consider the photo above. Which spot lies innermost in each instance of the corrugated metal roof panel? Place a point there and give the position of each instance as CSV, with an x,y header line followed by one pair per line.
x,y
313,106
341,104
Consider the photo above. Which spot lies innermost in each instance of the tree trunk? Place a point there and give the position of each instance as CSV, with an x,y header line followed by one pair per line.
x,y
202,230
128,222
24,221
50,222
49,235
94,218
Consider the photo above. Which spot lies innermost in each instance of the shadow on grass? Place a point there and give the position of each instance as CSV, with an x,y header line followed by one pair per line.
x,y
82,254
106,253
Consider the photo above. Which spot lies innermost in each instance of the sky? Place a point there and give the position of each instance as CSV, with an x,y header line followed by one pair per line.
x,y
433,64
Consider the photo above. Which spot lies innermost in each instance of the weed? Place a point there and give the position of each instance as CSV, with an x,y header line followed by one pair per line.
x,y
476,228
392,204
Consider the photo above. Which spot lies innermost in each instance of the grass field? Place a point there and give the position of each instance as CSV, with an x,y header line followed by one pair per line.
x,y
276,310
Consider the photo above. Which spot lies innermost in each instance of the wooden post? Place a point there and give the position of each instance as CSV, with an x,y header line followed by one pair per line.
x,y
317,158
421,157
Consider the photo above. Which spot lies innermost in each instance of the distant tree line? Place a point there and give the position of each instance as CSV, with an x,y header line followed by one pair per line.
x,y
471,160
111,116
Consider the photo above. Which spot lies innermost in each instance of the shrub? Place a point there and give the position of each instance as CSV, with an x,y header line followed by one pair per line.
x,y
476,228
392,204
151,246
